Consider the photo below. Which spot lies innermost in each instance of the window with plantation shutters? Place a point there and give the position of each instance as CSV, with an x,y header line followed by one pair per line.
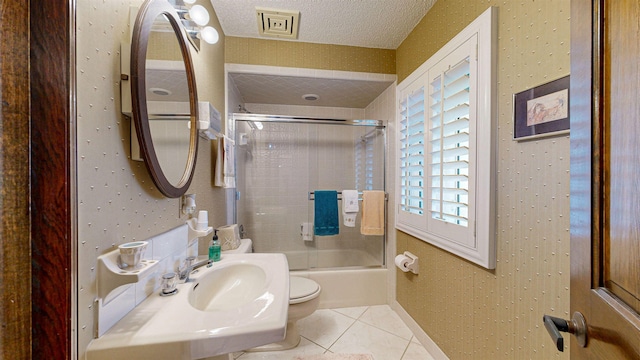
x,y
449,145
411,153
445,153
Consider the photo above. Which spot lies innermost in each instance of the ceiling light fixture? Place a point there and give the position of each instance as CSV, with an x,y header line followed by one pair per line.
x,y
160,91
311,97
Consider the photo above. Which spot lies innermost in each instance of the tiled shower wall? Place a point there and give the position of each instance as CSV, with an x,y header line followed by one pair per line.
x,y
383,107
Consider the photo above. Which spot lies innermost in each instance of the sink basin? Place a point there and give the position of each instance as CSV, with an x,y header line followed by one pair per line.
x,y
238,303
228,287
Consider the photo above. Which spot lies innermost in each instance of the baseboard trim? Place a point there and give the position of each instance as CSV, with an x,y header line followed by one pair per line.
x,y
420,334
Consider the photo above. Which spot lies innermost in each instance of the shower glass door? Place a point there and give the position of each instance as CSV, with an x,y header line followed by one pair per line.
x,y
280,162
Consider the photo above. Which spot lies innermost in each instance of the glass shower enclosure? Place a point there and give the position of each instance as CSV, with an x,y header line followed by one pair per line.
x,y
281,161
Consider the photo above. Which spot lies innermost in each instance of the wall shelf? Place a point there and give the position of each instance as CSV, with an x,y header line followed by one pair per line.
x,y
111,275
194,233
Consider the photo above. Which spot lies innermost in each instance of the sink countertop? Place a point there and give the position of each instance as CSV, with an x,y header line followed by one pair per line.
x,y
169,327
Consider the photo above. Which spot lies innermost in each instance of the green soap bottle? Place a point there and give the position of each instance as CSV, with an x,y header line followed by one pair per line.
x,y
214,248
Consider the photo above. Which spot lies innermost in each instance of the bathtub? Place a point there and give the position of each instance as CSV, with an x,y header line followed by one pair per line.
x,y
330,258
343,283
348,277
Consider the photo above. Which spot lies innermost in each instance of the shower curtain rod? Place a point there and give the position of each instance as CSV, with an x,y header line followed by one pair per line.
x,y
306,120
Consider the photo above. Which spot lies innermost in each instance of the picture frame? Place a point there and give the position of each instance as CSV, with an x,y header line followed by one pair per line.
x,y
542,110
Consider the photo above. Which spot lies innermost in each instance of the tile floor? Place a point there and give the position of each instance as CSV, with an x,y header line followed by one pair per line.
x,y
375,330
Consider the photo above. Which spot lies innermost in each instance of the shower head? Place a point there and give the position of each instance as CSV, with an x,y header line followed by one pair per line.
x,y
370,134
255,125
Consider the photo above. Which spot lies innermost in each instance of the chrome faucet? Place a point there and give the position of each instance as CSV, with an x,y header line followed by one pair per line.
x,y
185,268
188,267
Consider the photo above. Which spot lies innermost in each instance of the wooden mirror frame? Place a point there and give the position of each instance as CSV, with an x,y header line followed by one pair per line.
x,y
147,14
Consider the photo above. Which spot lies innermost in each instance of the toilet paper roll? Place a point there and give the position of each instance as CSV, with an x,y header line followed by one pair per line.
x,y
402,262
229,236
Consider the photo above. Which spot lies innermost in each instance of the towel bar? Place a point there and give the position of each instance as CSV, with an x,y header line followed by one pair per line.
x,y
311,196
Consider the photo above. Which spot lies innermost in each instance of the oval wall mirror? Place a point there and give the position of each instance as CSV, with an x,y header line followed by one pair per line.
x,y
164,98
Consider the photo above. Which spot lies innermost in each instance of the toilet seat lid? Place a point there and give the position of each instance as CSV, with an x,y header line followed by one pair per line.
x,y
300,287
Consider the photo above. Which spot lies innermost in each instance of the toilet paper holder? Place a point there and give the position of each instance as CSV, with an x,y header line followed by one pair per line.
x,y
411,263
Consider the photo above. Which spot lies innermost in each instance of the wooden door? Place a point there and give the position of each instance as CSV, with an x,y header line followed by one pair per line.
x,y
52,72
605,176
15,274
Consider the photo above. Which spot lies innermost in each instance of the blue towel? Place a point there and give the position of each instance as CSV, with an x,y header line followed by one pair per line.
x,y
326,213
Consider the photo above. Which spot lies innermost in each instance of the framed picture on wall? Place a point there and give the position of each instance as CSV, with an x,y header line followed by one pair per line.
x,y
542,110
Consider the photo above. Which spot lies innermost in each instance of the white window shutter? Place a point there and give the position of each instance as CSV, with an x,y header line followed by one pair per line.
x,y
451,144
411,140
446,149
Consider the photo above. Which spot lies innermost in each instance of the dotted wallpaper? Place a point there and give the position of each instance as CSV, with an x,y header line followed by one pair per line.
x,y
470,312
307,55
117,200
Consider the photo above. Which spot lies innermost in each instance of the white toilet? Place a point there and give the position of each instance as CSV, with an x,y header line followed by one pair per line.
x,y
304,297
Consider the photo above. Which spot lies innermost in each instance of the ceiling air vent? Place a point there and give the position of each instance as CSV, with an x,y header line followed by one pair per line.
x,y
278,23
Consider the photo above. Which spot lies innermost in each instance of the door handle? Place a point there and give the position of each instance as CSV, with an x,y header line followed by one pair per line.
x,y
576,326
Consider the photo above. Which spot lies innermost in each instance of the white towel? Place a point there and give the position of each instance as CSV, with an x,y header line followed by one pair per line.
x,y
350,207
225,172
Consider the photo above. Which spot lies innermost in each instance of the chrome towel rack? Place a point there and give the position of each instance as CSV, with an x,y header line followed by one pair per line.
x,y
312,196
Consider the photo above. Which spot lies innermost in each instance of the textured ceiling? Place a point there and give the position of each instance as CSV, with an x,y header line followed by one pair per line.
x,y
288,90
367,23
363,23
173,81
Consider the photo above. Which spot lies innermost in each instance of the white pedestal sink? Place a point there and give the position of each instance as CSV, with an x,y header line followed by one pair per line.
x,y
228,288
238,303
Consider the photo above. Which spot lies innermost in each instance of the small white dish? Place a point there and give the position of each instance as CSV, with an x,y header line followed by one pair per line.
x,y
131,253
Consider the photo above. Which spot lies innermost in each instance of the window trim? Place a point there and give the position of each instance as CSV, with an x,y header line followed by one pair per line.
x,y
483,224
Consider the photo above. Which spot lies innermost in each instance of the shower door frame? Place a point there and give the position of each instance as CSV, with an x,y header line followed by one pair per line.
x,y
376,124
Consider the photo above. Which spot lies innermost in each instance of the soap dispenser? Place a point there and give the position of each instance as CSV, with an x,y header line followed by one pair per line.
x,y
214,247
